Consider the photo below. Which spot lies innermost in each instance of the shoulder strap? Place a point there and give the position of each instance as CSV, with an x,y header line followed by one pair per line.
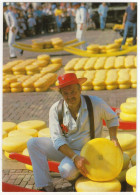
x,y
60,111
91,116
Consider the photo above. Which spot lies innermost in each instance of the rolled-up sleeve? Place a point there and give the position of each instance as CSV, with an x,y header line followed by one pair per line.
x,y
56,133
109,115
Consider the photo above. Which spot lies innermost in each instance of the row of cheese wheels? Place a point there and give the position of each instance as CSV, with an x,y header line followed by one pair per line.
x,y
109,48
108,79
96,63
43,64
20,83
44,44
107,166
129,110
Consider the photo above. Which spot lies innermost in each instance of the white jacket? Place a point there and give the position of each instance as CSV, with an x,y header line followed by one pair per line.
x,y
81,16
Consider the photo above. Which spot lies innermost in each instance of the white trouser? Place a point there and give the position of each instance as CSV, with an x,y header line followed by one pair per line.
x,y
81,35
40,150
11,41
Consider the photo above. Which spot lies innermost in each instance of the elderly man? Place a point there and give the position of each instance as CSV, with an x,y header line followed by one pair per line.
x,y
130,21
68,139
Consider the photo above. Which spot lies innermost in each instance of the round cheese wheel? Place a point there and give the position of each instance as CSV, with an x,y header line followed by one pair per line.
x,y
16,90
32,124
129,108
126,160
6,90
130,152
105,159
31,132
16,85
133,160
4,134
124,86
44,133
43,57
28,89
15,143
134,189
131,176
87,88
26,153
111,87
134,85
128,117
131,100
121,177
9,126
102,87
84,184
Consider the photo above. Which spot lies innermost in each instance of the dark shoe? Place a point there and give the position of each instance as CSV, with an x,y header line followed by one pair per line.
x,y
21,52
13,57
47,189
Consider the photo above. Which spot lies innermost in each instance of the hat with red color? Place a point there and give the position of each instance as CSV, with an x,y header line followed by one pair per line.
x,y
69,79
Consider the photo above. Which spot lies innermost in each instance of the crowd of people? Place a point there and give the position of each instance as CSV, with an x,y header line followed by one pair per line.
x,y
40,18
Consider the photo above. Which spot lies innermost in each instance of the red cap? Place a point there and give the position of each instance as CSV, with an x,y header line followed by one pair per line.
x,y
69,79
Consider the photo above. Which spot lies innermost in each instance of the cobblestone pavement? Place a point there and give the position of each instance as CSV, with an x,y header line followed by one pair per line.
x,y
26,106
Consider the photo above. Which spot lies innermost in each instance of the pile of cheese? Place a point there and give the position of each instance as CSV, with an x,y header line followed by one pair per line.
x,y
108,79
129,110
47,44
109,48
15,136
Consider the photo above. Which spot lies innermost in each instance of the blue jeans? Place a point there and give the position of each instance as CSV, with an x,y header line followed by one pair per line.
x,y
129,25
102,22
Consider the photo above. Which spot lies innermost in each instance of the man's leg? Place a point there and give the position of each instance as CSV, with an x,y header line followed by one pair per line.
x,y
40,150
134,33
125,33
11,41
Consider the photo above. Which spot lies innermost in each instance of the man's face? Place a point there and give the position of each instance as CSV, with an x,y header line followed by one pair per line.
x,y
71,94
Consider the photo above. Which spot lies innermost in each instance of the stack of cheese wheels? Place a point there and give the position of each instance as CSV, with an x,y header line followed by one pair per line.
x,y
133,77
80,64
36,44
32,124
16,87
129,61
28,85
32,69
6,87
70,65
99,64
8,81
26,153
9,126
119,62
133,160
131,177
19,69
44,132
129,41
89,65
128,111
93,49
57,42
124,79
99,80
112,47
88,84
56,61
45,82
111,79
50,68
105,164
42,61
118,41
126,160
102,48
109,64
48,44
7,68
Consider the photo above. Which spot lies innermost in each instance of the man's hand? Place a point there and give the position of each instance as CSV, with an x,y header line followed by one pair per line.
x,y
7,30
81,27
80,164
115,141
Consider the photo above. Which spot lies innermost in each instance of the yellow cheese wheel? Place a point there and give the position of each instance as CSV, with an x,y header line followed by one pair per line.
x,y
44,133
134,189
31,132
4,134
128,117
84,184
131,176
56,60
32,124
106,160
126,140
121,177
19,72
130,152
5,84
16,90
124,76
15,143
111,87
29,72
87,88
100,77
41,63
124,86
133,85
133,160
129,108
43,57
11,79
28,89
100,87
16,85
6,90
111,77
131,100
126,160
9,126
26,153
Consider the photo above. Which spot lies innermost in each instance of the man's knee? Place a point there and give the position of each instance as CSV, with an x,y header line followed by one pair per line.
x,y
68,171
31,143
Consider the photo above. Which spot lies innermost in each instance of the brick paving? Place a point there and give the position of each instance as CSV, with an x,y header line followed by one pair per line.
x,y
19,107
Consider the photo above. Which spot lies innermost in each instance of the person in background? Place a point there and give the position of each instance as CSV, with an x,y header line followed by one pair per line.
x,y
130,22
12,29
102,10
71,13
31,25
68,139
58,14
81,19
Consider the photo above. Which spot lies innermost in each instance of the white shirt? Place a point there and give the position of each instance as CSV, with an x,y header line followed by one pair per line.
x,y
81,15
31,22
10,18
79,130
